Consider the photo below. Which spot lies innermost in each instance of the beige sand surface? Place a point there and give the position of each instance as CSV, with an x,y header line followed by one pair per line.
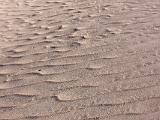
x,y
79,59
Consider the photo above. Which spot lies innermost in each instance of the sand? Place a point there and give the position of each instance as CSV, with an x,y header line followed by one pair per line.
x,y
79,60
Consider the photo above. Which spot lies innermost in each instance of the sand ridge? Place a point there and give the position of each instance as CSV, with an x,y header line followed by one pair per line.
x,y
79,60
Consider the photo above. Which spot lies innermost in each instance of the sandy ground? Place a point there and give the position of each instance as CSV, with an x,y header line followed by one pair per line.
x,y
79,59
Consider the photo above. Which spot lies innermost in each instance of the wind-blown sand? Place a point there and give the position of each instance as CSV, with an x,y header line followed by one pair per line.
x,y
79,59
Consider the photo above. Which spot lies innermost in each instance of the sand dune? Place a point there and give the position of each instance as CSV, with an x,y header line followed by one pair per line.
x,y
79,60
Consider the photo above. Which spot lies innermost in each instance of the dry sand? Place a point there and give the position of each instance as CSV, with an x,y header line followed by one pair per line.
x,y
79,59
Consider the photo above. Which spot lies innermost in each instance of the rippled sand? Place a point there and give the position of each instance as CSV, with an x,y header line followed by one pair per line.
x,y
79,59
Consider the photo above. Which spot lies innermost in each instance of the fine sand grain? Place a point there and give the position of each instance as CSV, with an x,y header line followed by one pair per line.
x,y
79,59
